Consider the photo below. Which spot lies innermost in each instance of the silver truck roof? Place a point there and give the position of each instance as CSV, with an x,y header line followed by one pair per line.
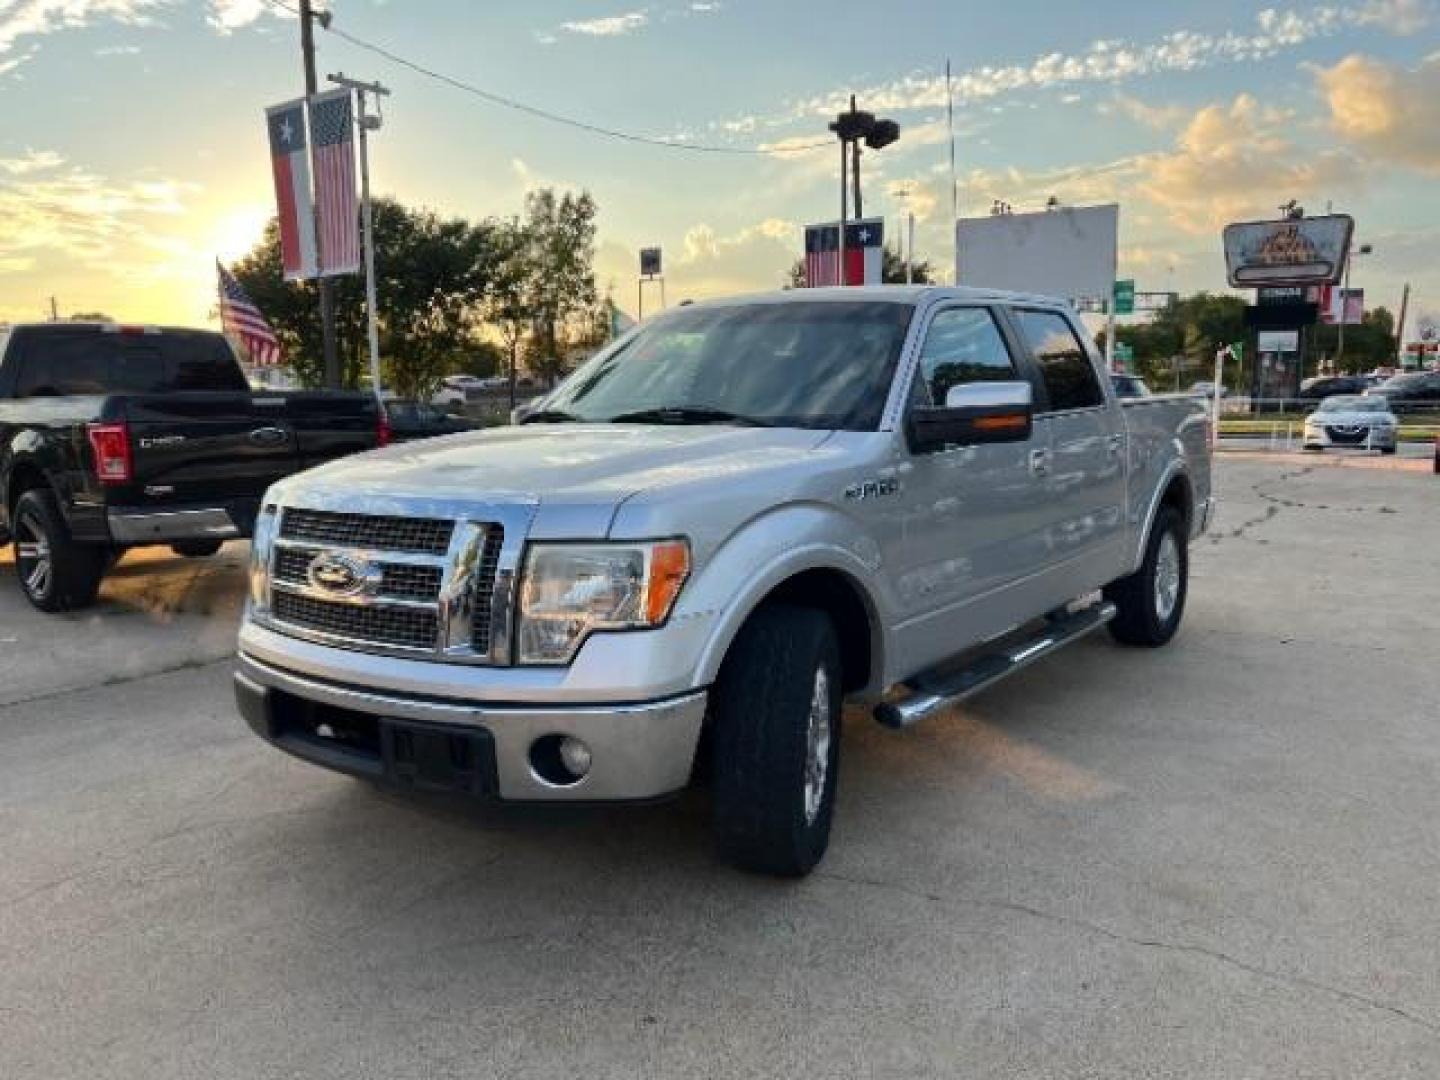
x,y
899,294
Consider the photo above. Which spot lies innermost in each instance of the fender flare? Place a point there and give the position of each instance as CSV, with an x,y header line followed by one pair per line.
x,y
1175,470
768,577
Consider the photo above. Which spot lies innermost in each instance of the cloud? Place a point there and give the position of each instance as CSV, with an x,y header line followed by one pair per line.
x,y
1155,117
78,216
31,161
1388,112
1235,161
117,50
609,25
228,15
1116,61
29,18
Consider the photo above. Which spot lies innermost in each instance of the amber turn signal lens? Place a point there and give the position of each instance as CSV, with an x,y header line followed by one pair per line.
x,y
669,567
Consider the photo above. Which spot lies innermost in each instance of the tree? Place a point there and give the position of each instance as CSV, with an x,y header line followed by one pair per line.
x,y
892,270
560,231
508,299
1371,344
432,274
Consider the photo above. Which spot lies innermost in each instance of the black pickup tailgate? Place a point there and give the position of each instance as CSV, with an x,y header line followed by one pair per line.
x,y
194,447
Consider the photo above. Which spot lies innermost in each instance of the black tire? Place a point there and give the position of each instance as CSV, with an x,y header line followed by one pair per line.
x,y
71,577
761,711
197,549
1141,618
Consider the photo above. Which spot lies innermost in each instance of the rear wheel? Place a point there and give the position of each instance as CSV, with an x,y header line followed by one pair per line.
x,y
777,742
197,549
55,573
1150,602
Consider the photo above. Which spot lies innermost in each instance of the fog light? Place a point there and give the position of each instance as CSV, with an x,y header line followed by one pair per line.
x,y
561,760
575,756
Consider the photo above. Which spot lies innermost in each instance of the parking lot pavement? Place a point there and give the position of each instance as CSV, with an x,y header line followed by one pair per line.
x,y
1214,860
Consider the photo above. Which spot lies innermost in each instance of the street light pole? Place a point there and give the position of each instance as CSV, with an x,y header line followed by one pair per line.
x,y
327,296
367,124
1363,249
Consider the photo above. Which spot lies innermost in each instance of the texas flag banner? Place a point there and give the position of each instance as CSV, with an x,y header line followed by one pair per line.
x,y
291,166
332,136
864,253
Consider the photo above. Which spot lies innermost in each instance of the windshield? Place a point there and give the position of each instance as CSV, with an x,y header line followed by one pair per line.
x,y
815,364
1404,380
1347,403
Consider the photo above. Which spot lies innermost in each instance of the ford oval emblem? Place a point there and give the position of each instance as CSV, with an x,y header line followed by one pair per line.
x,y
338,575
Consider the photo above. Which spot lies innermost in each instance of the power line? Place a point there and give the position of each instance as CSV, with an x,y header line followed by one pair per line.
x,y
545,114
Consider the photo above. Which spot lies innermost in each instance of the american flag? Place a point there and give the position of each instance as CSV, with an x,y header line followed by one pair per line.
x,y
822,256
332,139
242,319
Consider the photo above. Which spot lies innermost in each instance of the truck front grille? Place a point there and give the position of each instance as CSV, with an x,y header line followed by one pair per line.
x,y
393,627
420,536
422,586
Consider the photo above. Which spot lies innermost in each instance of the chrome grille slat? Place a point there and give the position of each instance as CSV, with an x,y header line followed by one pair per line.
x,y
393,627
429,536
481,621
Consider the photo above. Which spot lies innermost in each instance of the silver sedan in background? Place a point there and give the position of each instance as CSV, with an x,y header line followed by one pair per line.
x,y
1353,421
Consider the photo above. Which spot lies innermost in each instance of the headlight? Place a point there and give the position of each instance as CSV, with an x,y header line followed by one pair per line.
x,y
572,590
260,545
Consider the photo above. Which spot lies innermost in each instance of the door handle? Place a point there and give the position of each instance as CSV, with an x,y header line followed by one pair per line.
x,y
1039,462
268,436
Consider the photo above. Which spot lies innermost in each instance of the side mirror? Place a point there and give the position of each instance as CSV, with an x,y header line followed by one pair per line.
x,y
973,413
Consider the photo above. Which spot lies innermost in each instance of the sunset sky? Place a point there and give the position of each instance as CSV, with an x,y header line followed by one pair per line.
x,y
132,139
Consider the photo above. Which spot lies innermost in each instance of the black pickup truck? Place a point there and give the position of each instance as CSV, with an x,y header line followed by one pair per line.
x,y
114,437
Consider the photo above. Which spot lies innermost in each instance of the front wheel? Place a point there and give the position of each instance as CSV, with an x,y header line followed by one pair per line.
x,y
1150,602
55,573
776,715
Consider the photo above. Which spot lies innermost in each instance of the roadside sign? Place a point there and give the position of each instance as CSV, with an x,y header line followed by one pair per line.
x,y
1124,356
1125,297
650,262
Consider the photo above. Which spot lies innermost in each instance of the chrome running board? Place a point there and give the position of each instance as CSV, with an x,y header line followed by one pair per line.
x,y
931,692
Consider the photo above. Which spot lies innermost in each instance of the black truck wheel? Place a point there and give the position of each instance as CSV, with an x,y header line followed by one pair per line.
x,y
776,716
197,549
1151,601
55,573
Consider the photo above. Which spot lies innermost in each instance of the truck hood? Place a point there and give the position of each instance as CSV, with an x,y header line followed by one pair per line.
x,y
558,464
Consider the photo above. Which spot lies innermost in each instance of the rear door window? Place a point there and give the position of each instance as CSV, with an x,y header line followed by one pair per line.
x,y
1070,379
77,361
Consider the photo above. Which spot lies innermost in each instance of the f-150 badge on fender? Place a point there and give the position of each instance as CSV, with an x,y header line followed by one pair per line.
x,y
873,489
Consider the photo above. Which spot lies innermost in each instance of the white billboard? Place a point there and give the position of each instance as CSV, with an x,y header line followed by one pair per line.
x,y
1069,252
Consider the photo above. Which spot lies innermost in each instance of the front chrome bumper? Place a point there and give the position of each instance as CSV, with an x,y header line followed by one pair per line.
x,y
639,751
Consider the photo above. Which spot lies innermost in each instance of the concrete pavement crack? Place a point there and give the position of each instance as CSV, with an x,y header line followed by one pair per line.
x,y
1282,978
120,680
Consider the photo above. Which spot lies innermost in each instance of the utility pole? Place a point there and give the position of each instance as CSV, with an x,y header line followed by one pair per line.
x,y
367,124
1363,249
855,167
1400,327
54,310
327,296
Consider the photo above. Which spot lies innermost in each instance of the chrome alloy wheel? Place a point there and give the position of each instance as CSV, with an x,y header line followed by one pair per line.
x,y
1167,577
32,556
817,746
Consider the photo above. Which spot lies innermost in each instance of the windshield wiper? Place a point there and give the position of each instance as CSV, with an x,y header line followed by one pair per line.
x,y
687,414
550,416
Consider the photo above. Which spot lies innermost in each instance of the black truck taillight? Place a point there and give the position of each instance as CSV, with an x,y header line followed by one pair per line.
x,y
384,434
111,444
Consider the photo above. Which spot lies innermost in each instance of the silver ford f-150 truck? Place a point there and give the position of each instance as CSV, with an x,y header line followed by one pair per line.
x,y
722,526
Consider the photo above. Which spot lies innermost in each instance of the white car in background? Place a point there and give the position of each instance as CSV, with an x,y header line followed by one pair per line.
x,y
1353,421
456,391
